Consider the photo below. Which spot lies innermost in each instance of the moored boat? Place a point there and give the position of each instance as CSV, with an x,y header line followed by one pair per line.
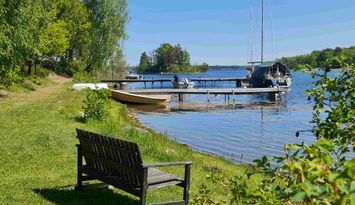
x,y
270,74
127,97
134,77
267,73
184,84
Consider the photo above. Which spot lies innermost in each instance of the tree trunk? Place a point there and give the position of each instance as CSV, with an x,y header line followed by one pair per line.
x,y
29,71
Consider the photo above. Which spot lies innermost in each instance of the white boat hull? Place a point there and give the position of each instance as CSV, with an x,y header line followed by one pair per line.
x,y
92,86
127,97
183,85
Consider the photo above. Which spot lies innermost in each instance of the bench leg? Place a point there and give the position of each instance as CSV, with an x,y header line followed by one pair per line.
x,y
187,184
143,197
79,186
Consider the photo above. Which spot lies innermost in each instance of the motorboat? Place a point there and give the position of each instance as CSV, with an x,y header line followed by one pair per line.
x,y
134,77
270,74
184,84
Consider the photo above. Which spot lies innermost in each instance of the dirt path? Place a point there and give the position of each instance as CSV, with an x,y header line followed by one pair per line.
x,y
40,93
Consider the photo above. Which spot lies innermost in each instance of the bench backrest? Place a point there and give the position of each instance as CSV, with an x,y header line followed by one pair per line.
x,y
112,157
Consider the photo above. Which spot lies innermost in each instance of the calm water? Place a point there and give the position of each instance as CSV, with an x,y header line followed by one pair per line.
x,y
241,130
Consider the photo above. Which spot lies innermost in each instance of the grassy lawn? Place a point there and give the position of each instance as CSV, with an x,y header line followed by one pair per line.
x,y
38,153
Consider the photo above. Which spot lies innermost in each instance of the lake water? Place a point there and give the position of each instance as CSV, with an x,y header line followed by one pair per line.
x,y
240,130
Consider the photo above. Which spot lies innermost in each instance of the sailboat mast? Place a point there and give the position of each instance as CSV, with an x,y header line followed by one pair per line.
x,y
262,31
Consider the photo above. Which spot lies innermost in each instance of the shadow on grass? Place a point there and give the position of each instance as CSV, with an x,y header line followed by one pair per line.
x,y
64,196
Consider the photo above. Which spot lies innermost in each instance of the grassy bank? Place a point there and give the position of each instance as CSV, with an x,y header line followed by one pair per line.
x,y
38,153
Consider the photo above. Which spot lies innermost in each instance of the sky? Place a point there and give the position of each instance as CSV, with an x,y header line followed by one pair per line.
x,y
219,32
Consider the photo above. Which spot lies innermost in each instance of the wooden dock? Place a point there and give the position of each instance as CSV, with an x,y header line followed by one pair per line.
x,y
239,81
149,80
213,91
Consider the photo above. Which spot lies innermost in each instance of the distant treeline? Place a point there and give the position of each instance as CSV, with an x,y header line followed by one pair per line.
x,y
168,59
321,58
63,35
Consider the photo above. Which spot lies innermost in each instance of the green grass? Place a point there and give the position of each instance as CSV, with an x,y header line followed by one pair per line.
x,y
38,153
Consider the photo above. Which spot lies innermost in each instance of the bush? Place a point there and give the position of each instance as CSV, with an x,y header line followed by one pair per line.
x,y
9,77
96,104
42,72
83,77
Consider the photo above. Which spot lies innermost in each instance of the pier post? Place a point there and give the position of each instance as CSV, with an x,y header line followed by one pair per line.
x,y
208,96
181,97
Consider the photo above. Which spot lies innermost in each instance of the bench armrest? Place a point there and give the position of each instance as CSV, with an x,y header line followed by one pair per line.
x,y
166,164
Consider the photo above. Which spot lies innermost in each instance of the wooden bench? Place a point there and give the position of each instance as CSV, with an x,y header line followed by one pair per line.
x,y
118,163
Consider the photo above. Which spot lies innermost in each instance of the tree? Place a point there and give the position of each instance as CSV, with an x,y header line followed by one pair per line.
x,y
168,58
76,15
185,58
164,57
117,64
144,63
319,58
54,40
108,21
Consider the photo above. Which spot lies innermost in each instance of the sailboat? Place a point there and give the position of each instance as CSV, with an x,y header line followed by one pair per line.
x,y
271,73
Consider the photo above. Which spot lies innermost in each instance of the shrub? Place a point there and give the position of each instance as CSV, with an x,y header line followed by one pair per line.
x,y
9,77
42,72
96,104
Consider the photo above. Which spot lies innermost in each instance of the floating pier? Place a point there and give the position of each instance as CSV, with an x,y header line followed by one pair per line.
x,y
239,81
275,91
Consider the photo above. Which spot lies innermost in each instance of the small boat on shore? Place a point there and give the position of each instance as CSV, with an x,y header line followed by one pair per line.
x,y
92,86
127,97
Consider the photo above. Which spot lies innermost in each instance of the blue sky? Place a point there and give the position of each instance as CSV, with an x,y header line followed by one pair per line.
x,y
218,31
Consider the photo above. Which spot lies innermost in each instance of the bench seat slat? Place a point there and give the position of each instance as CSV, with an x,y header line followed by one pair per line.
x,y
110,163
111,180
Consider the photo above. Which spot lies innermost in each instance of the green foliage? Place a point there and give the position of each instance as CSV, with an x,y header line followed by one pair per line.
x,y
9,77
144,63
320,59
108,22
168,59
83,77
307,176
115,68
63,35
320,173
54,39
334,113
96,104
